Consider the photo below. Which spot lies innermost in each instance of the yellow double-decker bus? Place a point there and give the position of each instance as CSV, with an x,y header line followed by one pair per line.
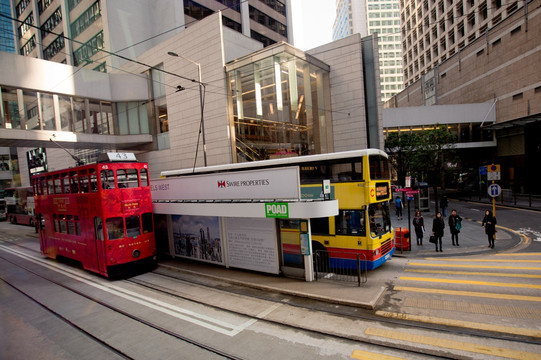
x,y
360,181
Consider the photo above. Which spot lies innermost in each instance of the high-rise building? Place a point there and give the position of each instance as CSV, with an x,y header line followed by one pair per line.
x,y
7,43
382,17
85,33
433,31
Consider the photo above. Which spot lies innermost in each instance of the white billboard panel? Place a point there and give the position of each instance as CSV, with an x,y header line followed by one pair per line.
x,y
278,183
252,244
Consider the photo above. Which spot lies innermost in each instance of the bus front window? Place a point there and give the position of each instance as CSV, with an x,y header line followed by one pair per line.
x,y
379,218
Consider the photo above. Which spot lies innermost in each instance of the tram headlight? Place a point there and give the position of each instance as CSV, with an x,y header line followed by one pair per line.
x,y
136,253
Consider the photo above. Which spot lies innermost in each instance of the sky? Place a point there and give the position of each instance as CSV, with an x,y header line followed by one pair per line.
x,y
312,22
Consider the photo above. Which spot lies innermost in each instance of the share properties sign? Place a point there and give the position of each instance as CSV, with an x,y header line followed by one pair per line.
x,y
264,184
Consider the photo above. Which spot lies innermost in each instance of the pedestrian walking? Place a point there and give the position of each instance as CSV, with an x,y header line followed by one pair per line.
x,y
443,205
455,224
419,226
489,222
437,229
398,204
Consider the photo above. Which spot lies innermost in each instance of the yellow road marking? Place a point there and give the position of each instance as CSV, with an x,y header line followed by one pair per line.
x,y
471,282
460,323
478,266
451,344
519,254
480,273
469,293
367,355
484,260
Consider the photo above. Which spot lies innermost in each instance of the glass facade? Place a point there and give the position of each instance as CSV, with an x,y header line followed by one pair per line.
x,y
31,110
280,107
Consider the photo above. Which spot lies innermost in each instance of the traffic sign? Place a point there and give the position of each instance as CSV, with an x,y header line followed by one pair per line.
x,y
494,190
493,172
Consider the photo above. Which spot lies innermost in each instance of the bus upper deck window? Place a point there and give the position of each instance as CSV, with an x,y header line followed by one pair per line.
x,y
50,186
107,179
74,181
93,180
83,181
127,178
57,185
65,183
115,228
144,177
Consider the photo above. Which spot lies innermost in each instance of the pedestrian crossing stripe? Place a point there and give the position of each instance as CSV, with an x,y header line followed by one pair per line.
x,y
484,260
439,343
469,293
519,254
506,267
476,273
471,282
460,323
368,355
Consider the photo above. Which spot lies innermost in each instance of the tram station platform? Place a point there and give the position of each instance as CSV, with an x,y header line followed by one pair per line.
x,y
472,242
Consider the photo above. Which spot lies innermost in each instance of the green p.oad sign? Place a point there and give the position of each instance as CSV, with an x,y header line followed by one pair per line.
x,y
277,210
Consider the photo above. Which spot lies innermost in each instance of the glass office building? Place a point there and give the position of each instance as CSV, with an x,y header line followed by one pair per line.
x,y
280,104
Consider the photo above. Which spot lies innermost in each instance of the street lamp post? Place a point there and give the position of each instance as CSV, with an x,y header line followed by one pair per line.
x,y
201,85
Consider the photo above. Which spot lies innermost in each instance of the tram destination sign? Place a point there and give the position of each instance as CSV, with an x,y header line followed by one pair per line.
x,y
262,184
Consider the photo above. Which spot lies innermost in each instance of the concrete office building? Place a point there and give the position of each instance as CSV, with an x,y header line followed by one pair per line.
x,y
500,68
326,100
84,33
433,31
381,17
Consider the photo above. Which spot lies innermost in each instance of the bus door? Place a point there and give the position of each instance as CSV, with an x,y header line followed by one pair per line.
x,y
291,243
100,244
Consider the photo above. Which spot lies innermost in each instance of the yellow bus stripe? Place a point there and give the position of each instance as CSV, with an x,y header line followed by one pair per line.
x,y
478,266
470,282
476,273
484,260
460,323
367,355
469,293
451,344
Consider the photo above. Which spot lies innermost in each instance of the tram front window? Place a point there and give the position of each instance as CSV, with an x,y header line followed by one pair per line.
x,y
379,218
133,226
115,228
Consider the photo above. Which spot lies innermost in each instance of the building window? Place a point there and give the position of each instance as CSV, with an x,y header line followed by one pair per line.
x,y
23,29
29,46
54,48
268,21
86,19
195,10
49,24
278,106
87,50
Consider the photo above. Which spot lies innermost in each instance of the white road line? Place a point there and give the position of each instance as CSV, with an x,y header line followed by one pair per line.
x,y
172,310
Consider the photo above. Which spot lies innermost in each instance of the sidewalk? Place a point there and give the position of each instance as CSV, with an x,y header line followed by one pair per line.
x,y
471,239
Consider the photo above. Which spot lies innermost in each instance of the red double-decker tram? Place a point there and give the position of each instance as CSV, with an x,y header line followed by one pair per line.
x,y
99,215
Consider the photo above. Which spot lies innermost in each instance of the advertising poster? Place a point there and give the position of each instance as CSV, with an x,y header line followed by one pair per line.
x,y
252,244
197,237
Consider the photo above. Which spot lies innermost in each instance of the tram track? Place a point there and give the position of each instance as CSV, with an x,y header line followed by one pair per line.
x,y
312,306
343,311
112,348
356,313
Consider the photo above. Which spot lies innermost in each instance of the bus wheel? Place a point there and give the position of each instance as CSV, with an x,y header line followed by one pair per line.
x,y
321,257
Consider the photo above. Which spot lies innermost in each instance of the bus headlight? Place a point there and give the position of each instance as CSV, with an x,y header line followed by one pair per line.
x,y
376,252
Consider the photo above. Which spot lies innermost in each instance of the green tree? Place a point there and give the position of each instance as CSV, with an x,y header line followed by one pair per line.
x,y
423,155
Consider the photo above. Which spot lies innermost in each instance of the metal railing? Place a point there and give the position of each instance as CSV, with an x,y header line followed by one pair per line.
x,y
340,266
